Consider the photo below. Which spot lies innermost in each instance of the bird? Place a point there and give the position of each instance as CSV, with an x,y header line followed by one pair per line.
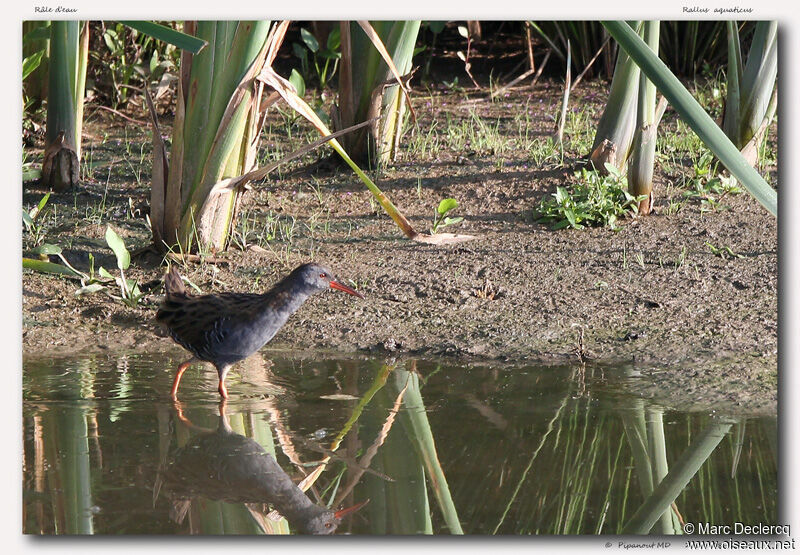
x,y
226,466
225,328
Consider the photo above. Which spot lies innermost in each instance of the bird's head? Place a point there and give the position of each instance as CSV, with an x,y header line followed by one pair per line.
x,y
318,278
326,521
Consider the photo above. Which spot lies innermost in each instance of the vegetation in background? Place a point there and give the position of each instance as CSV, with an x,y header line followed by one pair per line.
x,y
368,87
129,60
688,46
752,88
642,160
35,75
588,39
688,108
69,54
614,134
215,132
707,185
317,62
595,199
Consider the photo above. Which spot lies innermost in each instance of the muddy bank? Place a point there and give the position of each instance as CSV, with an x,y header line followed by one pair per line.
x,y
701,321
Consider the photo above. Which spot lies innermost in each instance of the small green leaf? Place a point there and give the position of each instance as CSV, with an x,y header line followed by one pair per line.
x,y
327,54
47,249
43,202
436,27
299,51
104,273
309,39
298,82
451,221
570,215
612,170
48,267
334,38
154,62
118,246
133,287
30,174
447,205
30,63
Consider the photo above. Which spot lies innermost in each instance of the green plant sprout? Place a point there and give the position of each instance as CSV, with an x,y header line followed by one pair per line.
x,y
595,200
723,252
35,230
440,219
707,186
330,53
129,289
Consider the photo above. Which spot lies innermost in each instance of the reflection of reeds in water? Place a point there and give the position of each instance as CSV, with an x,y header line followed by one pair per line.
x,y
658,503
543,476
522,454
409,456
61,454
745,497
564,464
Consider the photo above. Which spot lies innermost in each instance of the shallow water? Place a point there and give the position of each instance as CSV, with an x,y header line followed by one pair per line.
x,y
481,449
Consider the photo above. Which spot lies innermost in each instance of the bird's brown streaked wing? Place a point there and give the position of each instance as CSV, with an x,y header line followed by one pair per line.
x,y
197,323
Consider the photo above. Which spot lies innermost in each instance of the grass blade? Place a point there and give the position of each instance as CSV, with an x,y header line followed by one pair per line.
x,y
170,36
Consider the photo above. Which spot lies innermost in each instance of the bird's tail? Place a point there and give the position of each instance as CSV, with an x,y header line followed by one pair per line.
x,y
173,284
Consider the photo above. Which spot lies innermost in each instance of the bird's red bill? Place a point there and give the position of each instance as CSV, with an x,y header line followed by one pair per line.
x,y
346,289
349,510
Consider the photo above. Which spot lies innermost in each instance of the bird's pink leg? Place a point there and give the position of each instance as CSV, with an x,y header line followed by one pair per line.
x,y
223,391
181,369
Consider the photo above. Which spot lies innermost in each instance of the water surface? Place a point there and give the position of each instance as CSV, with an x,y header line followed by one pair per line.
x,y
435,448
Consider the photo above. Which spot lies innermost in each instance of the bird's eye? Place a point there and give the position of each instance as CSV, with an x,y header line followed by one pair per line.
x,y
323,275
327,524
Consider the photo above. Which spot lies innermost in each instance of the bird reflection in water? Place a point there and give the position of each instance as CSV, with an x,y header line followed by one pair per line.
x,y
225,466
